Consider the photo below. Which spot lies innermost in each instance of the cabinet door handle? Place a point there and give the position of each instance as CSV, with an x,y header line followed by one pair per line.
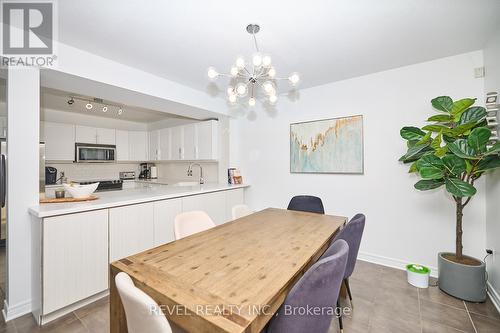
x,y
180,153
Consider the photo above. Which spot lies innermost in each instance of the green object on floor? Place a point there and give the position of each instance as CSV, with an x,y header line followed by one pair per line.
x,y
419,269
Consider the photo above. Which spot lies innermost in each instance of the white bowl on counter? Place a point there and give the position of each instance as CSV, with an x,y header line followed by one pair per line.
x,y
80,191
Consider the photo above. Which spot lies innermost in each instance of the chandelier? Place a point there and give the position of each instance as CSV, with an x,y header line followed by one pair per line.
x,y
248,78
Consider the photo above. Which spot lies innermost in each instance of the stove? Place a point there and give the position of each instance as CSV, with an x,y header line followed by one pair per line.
x,y
106,185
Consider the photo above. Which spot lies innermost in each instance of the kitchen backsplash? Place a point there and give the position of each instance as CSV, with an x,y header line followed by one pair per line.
x,y
178,171
93,171
101,171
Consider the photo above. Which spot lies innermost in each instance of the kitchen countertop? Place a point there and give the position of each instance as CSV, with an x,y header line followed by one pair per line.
x,y
145,191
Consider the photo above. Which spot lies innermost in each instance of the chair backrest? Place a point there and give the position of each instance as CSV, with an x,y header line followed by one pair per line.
x,y
189,223
141,311
240,211
352,234
306,203
318,289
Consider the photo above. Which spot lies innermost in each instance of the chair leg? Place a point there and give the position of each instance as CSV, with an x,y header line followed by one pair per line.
x,y
340,317
346,281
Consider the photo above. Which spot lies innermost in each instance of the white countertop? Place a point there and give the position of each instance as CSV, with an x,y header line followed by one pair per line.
x,y
144,191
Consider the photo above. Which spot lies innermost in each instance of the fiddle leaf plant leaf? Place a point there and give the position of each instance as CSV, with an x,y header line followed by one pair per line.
x,y
428,184
495,149
415,152
478,138
462,149
425,139
411,133
436,142
442,103
431,173
488,163
441,118
460,106
473,115
459,188
454,164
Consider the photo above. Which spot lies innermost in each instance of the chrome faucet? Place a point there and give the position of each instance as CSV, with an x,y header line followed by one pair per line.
x,y
190,171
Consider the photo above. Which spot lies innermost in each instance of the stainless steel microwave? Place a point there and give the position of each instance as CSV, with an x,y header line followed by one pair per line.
x,y
94,153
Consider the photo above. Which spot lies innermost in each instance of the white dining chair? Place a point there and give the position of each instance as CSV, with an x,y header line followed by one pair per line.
x,y
141,311
189,223
241,211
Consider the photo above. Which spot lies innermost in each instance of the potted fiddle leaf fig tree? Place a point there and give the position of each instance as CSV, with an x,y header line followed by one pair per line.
x,y
453,151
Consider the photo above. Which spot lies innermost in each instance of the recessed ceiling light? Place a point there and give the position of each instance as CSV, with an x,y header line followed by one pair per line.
x,y
71,101
105,109
89,106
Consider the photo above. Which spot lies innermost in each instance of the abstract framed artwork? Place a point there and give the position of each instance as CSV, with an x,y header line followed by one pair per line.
x,y
327,146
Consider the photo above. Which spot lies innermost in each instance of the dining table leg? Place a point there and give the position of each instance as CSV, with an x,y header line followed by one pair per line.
x,y
118,321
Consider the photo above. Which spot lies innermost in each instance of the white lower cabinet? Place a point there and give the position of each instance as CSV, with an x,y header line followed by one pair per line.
x,y
233,198
164,216
75,258
77,248
214,204
130,230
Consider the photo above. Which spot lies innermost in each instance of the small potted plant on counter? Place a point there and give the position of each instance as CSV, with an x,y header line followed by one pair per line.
x,y
454,151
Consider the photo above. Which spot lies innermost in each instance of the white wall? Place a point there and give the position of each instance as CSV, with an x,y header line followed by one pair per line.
x,y
403,224
23,96
492,83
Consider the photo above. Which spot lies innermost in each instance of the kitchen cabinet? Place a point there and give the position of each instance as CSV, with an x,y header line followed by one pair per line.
x,y
189,142
131,230
122,148
233,198
207,140
164,216
214,204
75,258
154,145
59,141
106,136
87,134
165,140
138,145
177,142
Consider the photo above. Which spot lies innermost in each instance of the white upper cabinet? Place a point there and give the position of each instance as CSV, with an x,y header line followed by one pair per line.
x,y
197,141
154,145
59,141
85,134
138,145
165,141
177,142
106,136
189,149
206,140
122,149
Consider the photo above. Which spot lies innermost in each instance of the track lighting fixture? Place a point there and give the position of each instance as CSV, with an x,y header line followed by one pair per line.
x,y
98,103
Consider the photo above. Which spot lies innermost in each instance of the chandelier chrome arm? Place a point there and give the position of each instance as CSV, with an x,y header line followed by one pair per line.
x,y
260,74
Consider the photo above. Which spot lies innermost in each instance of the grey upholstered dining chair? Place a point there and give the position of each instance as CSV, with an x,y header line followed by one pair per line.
x,y
306,203
317,288
352,234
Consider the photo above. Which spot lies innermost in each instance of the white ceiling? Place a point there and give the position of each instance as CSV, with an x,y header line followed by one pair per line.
x,y
58,100
324,41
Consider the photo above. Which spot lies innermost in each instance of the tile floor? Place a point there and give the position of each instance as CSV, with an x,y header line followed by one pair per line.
x,y
383,302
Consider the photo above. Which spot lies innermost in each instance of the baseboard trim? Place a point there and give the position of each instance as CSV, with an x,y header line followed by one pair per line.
x,y
391,262
18,310
494,296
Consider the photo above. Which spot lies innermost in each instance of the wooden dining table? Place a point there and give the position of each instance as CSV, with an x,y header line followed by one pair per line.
x,y
231,278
